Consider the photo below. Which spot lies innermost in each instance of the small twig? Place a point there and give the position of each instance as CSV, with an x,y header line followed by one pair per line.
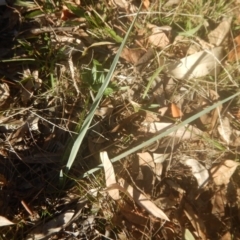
x,y
26,207
71,68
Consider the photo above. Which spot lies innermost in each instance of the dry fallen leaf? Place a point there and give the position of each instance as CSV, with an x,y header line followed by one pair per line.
x,y
124,4
170,3
53,226
145,158
197,65
148,171
146,4
198,171
210,119
184,46
109,175
143,201
125,122
162,110
219,34
183,133
188,235
5,222
144,60
176,111
225,130
151,117
159,38
127,210
196,222
158,171
160,157
131,55
234,54
222,173
219,202
226,236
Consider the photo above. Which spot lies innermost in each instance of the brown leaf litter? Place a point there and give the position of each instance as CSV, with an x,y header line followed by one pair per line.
x,y
184,184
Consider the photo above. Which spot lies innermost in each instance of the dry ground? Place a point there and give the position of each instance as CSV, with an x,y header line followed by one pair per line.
x,y
169,119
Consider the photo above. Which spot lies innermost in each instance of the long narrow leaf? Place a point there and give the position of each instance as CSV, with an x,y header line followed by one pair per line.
x,y
96,102
165,132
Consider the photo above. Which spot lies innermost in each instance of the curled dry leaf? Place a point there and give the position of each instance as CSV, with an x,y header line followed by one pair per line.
x,y
219,34
222,173
109,175
143,201
197,65
5,222
198,171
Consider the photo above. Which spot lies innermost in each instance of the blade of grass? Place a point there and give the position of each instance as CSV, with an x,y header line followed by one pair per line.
x,y
18,60
96,102
77,129
191,32
163,133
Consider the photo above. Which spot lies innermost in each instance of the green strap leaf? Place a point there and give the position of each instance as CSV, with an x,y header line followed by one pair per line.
x,y
96,102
